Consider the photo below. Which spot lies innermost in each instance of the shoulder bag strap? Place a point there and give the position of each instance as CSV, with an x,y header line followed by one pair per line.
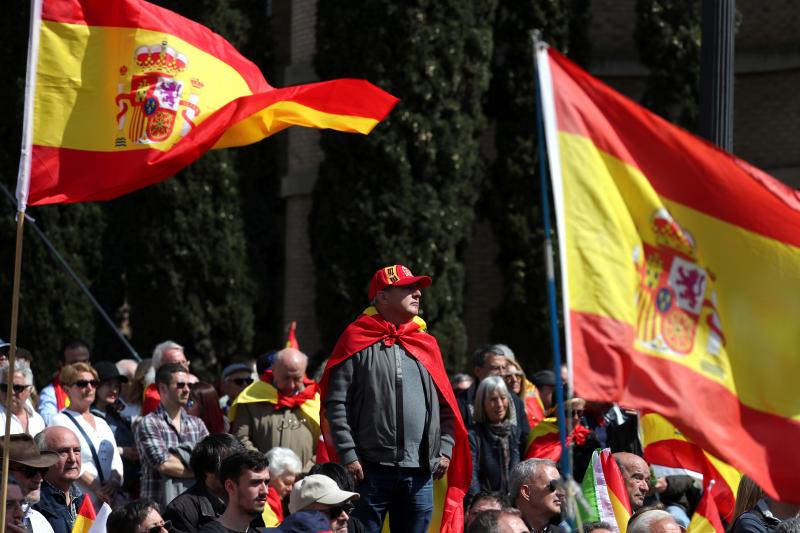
x,y
91,446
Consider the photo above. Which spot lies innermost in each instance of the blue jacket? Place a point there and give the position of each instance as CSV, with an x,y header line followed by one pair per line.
x,y
53,505
487,459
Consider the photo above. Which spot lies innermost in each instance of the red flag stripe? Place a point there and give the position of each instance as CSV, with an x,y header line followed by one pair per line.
x,y
660,385
728,180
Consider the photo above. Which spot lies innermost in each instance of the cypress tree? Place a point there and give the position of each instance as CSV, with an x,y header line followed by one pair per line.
x,y
405,193
513,200
668,40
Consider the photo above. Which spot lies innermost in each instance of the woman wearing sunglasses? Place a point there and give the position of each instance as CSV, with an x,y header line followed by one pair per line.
x,y
24,419
101,473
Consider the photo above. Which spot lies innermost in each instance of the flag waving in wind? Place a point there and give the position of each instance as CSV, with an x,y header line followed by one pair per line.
x,y
681,268
123,94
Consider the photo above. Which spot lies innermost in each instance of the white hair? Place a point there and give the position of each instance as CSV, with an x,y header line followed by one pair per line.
x,y
487,386
158,352
644,522
20,367
524,472
283,460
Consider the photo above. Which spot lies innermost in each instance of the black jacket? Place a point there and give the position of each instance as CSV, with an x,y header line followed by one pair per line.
x,y
194,508
466,401
487,458
53,506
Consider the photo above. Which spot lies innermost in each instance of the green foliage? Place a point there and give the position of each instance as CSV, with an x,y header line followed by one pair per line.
x,y
405,193
513,199
668,38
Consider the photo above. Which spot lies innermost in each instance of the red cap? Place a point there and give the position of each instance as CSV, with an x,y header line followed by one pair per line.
x,y
395,275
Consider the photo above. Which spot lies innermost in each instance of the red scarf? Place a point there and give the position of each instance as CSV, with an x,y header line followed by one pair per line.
x,y
290,402
61,394
275,503
369,329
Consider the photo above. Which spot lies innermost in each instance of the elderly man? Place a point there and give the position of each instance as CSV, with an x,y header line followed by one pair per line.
x,y
488,360
244,476
27,465
653,521
535,487
636,473
53,398
60,498
390,407
280,409
320,493
168,352
166,436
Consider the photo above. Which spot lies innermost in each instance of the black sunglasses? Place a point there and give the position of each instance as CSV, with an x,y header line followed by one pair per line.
x,y
19,389
553,485
242,381
28,471
86,382
346,507
157,529
182,385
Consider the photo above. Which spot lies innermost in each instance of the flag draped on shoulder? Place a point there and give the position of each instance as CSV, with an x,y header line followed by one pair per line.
x,y
370,328
605,492
123,94
670,453
680,267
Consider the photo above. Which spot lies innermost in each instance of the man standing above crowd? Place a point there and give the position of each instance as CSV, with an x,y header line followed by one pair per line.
x,y
60,498
167,431
390,407
488,360
535,487
168,352
53,398
244,477
280,409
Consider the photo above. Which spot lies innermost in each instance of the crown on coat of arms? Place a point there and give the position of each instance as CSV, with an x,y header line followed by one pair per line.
x,y
161,58
669,233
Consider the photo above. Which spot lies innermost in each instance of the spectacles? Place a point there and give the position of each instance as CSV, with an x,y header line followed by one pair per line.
x,y
242,381
553,485
509,377
346,507
167,524
28,471
18,389
182,385
82,383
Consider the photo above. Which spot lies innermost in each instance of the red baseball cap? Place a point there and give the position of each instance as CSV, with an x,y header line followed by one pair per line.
x,y
395,275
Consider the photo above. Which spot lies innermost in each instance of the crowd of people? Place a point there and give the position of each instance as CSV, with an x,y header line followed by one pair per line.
x,y
269,447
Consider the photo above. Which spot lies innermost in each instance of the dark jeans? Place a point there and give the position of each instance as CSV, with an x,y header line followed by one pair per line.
x,y
406,493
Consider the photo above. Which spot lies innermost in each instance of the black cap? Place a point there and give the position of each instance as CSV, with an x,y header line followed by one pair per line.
x,y
544,377
106,370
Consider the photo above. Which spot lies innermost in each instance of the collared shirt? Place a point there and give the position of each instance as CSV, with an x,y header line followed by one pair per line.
x,y
155,435
53,505
35,422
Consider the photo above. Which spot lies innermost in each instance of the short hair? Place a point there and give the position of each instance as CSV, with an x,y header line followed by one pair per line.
x,y
642,522
209,453
588,527
235,464
283,460
20,367
69,374
164,374
485,495
129,517
790,525
482,352
158,352
344,479
486,522
524,471
486,387
41,441
72,344
20,354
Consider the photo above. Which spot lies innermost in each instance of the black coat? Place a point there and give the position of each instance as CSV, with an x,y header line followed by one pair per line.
x,y
466,402
487,459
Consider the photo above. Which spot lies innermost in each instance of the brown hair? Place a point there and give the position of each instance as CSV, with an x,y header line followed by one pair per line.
x,y
747,497
69,374
210,412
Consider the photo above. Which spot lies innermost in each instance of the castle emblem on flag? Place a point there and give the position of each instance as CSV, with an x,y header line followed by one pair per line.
x,y
156,99
677,304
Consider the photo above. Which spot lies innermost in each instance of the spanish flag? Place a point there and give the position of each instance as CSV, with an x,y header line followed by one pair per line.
x,y
123,94
681,270
670,453
88,521
605,492
706,517
291,338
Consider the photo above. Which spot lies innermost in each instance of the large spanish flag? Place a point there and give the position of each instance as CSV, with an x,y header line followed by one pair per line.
x,y
670,453
124,94
681,268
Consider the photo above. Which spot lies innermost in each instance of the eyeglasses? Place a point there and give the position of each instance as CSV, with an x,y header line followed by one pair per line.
x,y
514,376
346,507
18,389
242,382
167,524
28,471
553,485
82,383
182,385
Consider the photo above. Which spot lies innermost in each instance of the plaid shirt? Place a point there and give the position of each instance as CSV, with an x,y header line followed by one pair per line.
x,y
155,435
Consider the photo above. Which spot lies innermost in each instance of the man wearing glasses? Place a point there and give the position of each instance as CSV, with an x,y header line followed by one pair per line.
x,y
27,465
535,487
235,378
168,428
320,493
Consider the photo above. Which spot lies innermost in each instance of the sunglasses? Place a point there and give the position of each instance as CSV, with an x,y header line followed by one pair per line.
x,y
157,529
346,507
553,485
241,382
19,389
83,383
182,385
28,471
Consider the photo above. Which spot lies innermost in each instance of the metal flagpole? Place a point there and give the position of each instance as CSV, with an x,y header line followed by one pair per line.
x,y
544,176
12,353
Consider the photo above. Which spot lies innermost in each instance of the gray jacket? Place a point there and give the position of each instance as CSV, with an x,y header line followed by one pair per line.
x,y
362,408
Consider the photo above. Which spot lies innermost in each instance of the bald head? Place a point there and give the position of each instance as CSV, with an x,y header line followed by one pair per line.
x,y
66,444
636,473
289,370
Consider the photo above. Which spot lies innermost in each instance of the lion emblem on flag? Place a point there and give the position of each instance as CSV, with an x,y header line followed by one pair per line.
x,y
675,295
156,99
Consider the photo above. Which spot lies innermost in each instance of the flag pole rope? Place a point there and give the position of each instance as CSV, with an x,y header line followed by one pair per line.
x,y
12,353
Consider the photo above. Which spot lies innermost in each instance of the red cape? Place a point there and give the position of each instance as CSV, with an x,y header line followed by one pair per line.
x,y
370,328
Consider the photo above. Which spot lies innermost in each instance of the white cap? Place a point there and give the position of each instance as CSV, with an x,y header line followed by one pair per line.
x,y
317,489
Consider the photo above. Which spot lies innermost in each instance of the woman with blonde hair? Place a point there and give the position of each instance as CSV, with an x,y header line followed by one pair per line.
x,y
101,472
518,384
